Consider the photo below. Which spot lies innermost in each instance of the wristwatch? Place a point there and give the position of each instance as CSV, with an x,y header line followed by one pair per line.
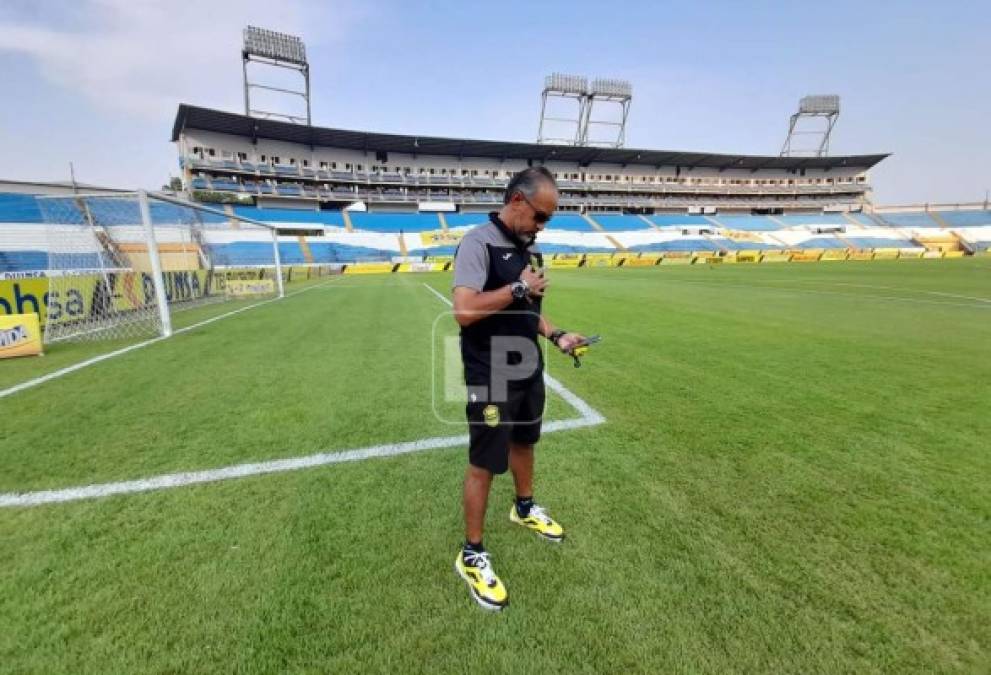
x,y
520,289
556,335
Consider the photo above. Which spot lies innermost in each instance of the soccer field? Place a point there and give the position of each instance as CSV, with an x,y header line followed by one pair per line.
x,y
792,476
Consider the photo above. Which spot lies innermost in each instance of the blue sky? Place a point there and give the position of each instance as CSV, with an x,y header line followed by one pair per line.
x,y
97,82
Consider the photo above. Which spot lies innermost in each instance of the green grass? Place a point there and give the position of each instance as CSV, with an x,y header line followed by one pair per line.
x,y
793,478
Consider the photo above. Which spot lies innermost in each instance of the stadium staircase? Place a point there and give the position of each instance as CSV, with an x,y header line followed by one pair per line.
x,y
722,249
443,221
347,220
591,221
879,220
305,248
598,228
850,219
846,242
402,245
714,221
231,220
782,223
649,223
939,219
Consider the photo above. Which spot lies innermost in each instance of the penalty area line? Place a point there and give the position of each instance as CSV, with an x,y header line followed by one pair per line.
x,y
140,345
589,417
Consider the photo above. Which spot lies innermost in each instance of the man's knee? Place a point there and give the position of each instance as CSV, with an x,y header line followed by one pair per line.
x,y
478,474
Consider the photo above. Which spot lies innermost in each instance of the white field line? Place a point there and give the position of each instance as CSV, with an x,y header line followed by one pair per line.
x,y
130,348
771,285
584,409
589,417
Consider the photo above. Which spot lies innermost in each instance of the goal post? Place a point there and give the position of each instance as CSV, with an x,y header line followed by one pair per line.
x,y
120,266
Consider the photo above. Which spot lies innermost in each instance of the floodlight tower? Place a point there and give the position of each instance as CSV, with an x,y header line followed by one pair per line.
x,y
563,87
279,50
810,110
607,91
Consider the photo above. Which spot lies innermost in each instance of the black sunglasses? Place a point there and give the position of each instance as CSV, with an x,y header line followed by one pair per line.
x,y
538,215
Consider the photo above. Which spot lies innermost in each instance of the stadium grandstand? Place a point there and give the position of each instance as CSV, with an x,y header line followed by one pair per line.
x,y
341,198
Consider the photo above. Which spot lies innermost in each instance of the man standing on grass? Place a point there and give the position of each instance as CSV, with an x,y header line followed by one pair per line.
x,y
497,302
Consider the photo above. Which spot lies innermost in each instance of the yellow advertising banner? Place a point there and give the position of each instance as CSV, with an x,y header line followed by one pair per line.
x,y
640,262
806,256
748,256
76,297
861,255
241,287
775,257
619,259
704,257
953,254
20,335
597,259
676,258
371,268
564,262
441,238
834,254
885,253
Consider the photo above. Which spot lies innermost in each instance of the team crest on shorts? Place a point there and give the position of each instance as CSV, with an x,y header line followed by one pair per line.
x,y
491,415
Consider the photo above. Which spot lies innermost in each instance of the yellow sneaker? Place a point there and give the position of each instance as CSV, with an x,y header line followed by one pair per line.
x,y
486,588
538,521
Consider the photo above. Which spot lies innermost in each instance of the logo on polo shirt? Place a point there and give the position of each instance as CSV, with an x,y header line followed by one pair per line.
x,y
491,415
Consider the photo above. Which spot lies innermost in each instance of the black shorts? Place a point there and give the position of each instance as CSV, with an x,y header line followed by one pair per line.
x,y
493,425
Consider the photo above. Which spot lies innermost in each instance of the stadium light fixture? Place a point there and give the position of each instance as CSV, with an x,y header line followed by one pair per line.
x,y
586,95
805,122
272,45
558,86
606,91
280,50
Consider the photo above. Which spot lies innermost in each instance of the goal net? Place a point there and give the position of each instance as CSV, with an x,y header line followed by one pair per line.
x,y
121,266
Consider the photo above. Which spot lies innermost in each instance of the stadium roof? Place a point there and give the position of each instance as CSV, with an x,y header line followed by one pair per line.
x,y
205,119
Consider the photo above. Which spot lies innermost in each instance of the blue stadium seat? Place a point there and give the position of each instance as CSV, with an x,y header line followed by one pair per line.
x,y
19,208
570,222
821,242
733,245
328,252
547,248
612,222
910,219
822,219
880,242
669,220
960,218
686,244
394,222
863,219
23,261
268,215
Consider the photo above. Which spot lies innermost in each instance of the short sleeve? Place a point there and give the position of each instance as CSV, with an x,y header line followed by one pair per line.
x,y
471,264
